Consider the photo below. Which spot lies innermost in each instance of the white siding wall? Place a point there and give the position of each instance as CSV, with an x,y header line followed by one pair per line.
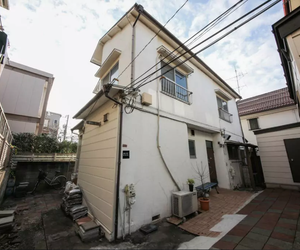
x,y
274,158
269,119
97,164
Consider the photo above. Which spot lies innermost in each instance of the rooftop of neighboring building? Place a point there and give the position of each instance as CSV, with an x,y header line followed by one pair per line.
x,y
268,101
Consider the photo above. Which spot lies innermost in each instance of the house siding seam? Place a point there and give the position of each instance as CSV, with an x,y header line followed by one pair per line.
x,y
97,164
274,157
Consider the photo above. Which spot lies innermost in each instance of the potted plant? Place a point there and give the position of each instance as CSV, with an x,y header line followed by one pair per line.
x,y
191,183
203,173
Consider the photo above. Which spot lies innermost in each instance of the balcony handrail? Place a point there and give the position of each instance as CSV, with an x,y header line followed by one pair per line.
x,y
168,79
225,111
177,91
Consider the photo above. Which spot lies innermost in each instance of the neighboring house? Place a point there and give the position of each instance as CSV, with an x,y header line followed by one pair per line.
x,y
287,35
268,110
271,121
24,94
51,123
179,122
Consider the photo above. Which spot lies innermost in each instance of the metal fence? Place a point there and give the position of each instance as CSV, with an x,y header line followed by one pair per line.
x,y
173,89
225,115
5,139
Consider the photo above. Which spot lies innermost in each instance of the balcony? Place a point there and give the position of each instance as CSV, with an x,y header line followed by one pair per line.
x,y
224,115
176,91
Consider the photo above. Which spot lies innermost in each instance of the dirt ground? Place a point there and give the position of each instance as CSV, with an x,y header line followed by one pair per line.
x,y
41,224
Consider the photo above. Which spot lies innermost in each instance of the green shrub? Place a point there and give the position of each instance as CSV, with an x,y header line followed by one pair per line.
x,y
31,143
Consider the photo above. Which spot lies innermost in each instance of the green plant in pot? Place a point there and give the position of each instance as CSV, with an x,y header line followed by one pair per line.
x,y
191,183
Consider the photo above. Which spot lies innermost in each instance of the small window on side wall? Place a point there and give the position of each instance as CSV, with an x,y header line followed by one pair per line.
x,y
192,148
253,124
233,152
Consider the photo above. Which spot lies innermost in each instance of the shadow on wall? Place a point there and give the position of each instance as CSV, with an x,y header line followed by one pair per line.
x,y
28,171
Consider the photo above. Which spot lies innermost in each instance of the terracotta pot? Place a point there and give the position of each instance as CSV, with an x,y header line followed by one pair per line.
x,y
204,204
191,187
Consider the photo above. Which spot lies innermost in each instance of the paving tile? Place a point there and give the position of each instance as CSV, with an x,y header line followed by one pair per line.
x,y
289,221
257,237
286,225
224,245
285,231
279,243
283,237
270,247
242,247
254,244
296,245
232,238
249,221
275,211
260,231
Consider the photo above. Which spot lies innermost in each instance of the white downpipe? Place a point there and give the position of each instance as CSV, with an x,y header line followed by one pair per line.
x,y
158,129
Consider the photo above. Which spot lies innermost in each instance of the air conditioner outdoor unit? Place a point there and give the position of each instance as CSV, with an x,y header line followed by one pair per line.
x,y
184,203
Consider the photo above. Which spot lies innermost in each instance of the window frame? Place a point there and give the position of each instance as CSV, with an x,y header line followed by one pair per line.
x,y
109,73
222,105
174,72
249,124
230,154
195,155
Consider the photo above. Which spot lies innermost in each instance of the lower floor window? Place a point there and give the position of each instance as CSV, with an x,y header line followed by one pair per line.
x,y
233,152
192,148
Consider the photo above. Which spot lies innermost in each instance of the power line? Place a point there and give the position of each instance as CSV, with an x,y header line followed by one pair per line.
x,y
213,21
205,31
197,38
189,50
218,39
152,38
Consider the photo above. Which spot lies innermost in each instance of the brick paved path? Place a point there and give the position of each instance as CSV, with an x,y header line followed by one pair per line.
x,y
272,222
226,202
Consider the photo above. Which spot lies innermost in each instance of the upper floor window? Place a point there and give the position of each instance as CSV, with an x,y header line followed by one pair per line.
x,y
174,83
223,109
111,75
253,123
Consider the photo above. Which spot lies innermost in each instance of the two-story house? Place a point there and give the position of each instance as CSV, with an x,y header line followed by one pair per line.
x,y
157,137
271,121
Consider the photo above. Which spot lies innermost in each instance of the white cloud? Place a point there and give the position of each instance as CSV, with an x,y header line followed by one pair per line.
x,y
59,37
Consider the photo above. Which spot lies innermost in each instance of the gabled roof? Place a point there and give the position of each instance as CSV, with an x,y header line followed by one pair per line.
x,y
166,35
271,100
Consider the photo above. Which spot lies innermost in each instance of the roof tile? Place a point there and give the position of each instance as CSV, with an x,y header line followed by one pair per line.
x,y
271,100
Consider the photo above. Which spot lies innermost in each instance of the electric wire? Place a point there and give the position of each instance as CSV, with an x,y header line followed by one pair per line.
x,y
190,50
203,33
218,39
213,21
153,38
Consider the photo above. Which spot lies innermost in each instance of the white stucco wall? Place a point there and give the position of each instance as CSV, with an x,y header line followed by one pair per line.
x,y
145,169
269,119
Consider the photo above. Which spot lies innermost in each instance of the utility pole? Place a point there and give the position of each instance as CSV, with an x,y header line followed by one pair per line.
x,y
66,127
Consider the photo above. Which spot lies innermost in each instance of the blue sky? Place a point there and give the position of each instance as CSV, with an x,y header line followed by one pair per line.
x,y
59,37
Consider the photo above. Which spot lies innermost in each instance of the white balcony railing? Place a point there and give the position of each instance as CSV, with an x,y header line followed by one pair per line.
x,y
174,90
224,115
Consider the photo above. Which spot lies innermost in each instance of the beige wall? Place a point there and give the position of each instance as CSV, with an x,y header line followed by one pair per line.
x,y
97,164
294,4
274,158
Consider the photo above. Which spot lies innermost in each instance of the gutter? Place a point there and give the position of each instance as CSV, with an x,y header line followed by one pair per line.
x,y
140,9
106,92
